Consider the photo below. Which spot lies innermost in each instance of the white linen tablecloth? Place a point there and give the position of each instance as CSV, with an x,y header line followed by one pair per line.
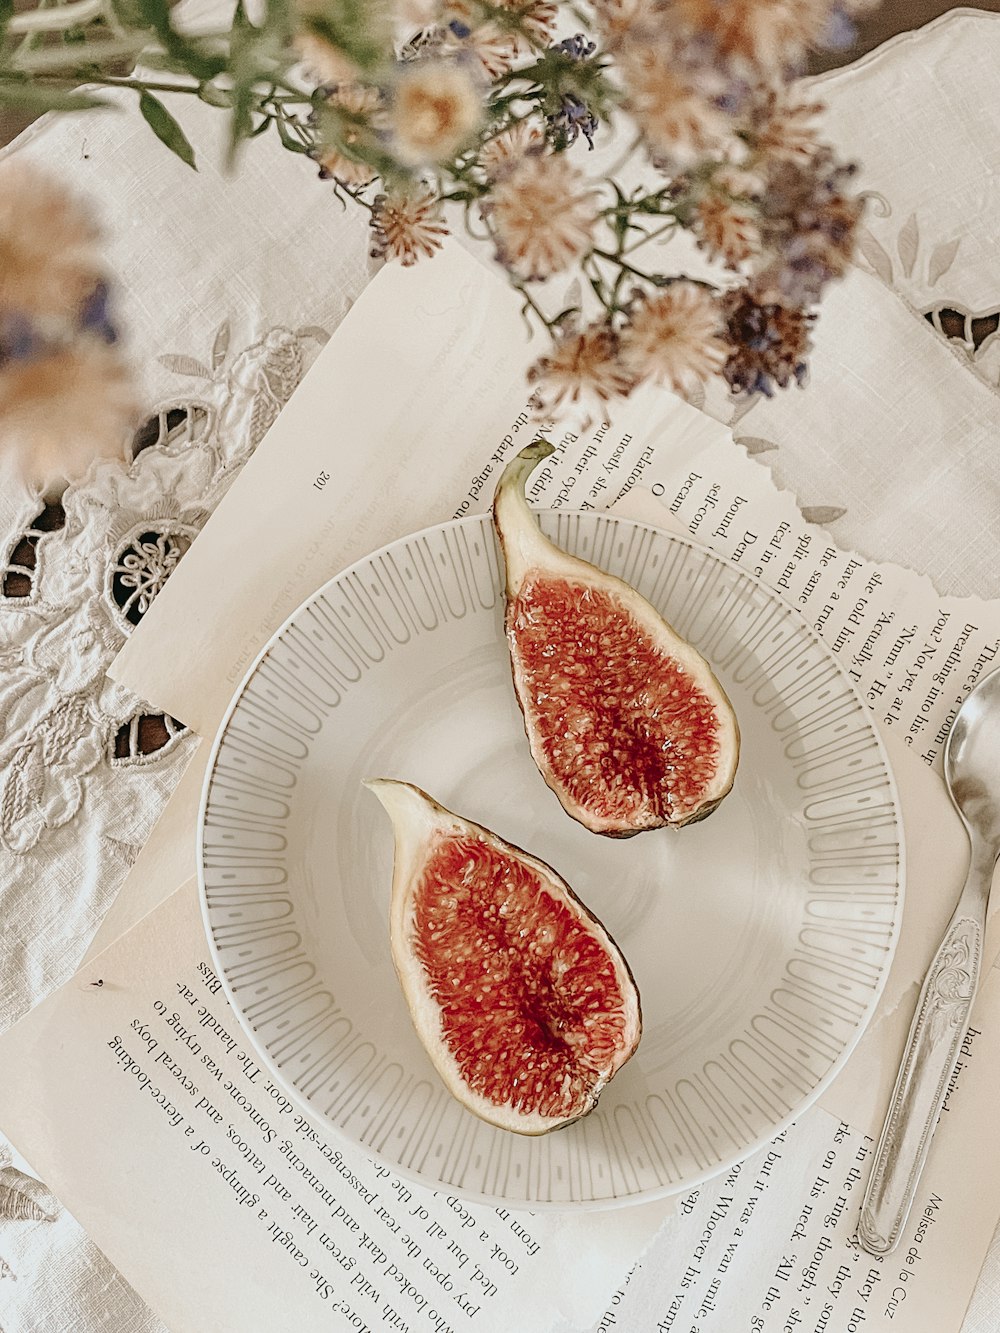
x,y
227,285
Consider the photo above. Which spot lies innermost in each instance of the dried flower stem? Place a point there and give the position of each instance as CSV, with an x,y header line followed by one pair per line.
x,y
647,236
60,19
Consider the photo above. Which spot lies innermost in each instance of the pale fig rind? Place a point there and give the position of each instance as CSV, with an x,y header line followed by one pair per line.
x,y
417,821
528,553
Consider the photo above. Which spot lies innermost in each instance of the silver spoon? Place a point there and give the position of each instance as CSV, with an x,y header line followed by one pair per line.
x,y
972,773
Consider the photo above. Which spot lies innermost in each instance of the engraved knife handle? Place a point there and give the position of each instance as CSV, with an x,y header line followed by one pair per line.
x,y
931,1054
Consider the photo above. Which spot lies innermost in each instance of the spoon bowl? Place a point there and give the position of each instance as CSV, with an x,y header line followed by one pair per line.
x,y
972,760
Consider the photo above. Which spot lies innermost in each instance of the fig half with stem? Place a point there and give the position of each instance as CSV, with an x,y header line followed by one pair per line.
x,y
520,996
626,721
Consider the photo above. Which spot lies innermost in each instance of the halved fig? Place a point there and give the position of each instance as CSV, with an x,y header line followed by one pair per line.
x,y
626,721
520,996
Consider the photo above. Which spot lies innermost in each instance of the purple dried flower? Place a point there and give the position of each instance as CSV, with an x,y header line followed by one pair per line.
x,y
768,342
571,120
808,222
578,47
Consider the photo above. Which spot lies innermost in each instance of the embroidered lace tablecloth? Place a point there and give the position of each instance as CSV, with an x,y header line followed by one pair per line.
x,y
227,287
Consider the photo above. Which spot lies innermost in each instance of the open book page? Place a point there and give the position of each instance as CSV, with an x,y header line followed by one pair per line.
x,y
915,655
168,858
348,467
229,1209
242,1214
770,1247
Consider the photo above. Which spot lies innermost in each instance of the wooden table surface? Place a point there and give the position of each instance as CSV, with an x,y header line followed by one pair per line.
x,y
885,21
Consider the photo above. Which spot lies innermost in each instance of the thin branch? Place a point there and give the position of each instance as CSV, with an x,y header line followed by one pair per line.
x,y
57,20
81,59
648,236
625,266
107,81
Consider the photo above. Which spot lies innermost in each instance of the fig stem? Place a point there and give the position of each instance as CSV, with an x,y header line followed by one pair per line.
x,y
521,539
521,467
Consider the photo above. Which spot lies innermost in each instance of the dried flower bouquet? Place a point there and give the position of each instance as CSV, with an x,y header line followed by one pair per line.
x,y
433,114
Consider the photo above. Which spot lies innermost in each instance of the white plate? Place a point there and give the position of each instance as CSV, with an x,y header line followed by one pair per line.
x,y
760,938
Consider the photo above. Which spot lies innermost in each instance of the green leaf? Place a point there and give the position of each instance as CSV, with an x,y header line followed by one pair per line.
x,y
241,122
165,127
39,97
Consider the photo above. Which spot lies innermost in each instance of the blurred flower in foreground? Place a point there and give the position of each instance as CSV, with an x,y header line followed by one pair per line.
x,y
66,396
673,337
543,215
348,105
435,111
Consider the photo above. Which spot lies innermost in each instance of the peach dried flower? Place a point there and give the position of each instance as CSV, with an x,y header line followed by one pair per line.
x,y
501,154
726,229
773,35
357,101
584,365
407,225
543,214
674,337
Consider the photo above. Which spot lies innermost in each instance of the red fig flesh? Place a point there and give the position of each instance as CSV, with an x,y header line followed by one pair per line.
x,y
520,996
626,721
